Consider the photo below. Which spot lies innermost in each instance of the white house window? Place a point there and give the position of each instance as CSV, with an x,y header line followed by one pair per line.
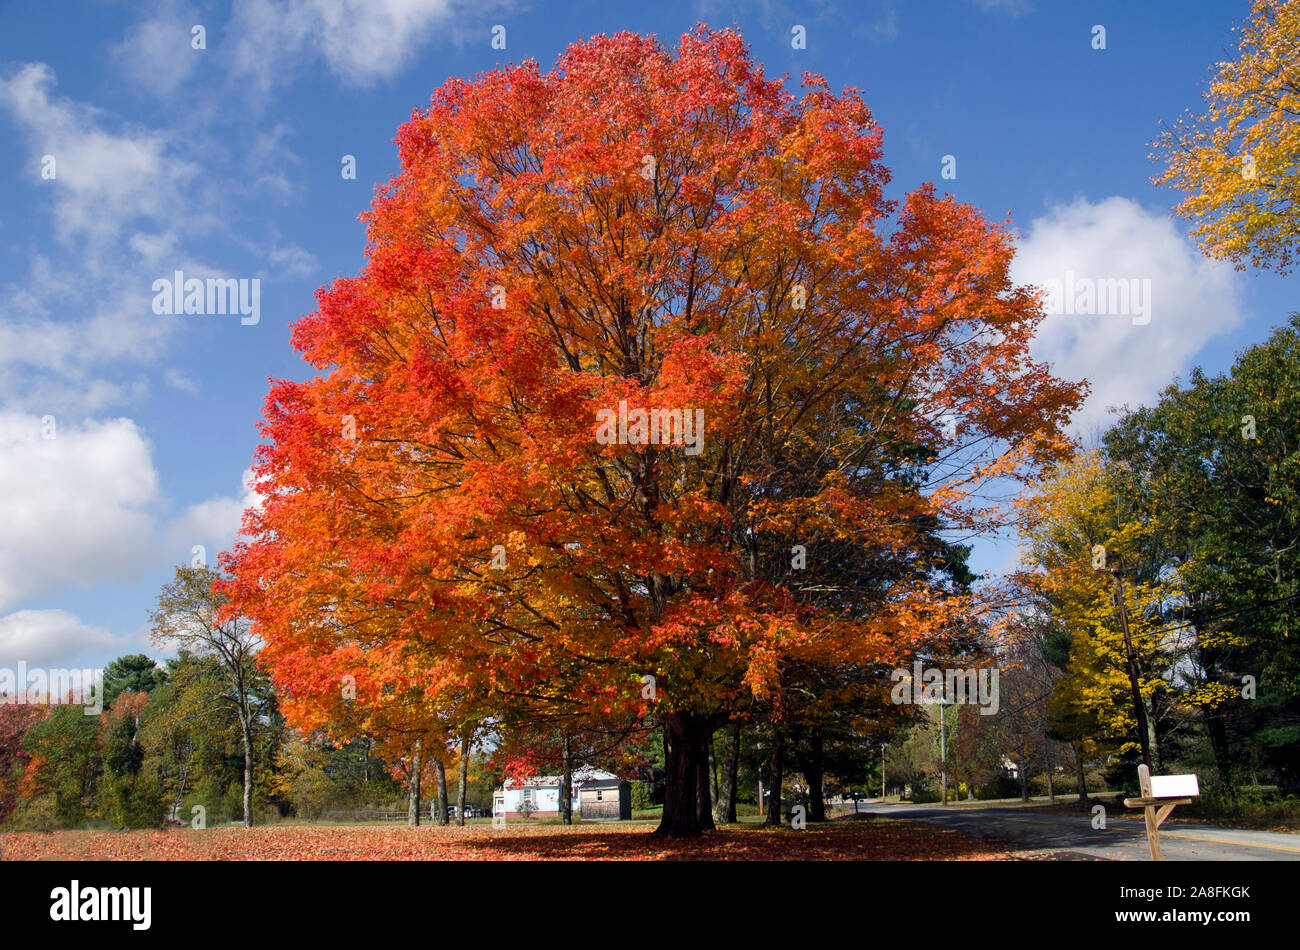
x,y
599,795
528,794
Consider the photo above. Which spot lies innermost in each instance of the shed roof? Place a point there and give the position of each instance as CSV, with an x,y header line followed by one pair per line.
x,y
582,778
605,783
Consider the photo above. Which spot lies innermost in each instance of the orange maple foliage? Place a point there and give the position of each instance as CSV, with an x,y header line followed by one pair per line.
x,y
636,230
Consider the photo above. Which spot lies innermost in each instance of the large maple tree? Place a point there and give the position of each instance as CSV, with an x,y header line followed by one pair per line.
x,y
658,230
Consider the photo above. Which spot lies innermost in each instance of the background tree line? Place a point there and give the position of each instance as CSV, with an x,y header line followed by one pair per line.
x,y
1193,500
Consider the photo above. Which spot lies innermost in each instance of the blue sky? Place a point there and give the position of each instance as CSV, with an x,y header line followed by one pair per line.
x,y
225,161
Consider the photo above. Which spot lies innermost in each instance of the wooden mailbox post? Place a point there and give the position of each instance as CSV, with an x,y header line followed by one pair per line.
x,y
1161,792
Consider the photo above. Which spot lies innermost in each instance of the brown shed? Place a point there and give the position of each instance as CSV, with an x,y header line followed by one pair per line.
x,y
609,798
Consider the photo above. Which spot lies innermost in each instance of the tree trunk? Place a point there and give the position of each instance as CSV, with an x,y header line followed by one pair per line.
x,y
1152,739
1078,762
180,792
703,796
814,773
775,776
1051,789
413,789
440,771
246,729
713,777
463,778
1024,777
724,805
1219,742
687,811
566,784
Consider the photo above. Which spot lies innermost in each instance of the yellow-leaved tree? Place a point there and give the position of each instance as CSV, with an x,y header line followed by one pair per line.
x,y
1239,161
1079,524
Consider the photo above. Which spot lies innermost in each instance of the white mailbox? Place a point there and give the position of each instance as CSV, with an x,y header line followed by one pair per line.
x,y
1174,786
1160,793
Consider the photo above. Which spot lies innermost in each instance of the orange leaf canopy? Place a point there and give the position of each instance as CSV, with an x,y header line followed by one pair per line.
x,y
636,229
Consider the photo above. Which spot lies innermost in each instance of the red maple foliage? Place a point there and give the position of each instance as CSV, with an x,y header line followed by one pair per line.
x,y
469,512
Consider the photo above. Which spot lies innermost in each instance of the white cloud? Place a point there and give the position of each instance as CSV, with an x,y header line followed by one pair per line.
x,y
177,379
288,262
269,161
69,349
104,181
1011,7
75,506
361,41
82,508
1192,300
213,523
156,52
50,638
120,201
885,27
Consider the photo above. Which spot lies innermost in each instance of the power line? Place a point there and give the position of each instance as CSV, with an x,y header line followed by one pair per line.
x,y
1231,613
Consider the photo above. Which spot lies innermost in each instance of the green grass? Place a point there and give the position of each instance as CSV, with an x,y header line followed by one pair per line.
x,y
1251,808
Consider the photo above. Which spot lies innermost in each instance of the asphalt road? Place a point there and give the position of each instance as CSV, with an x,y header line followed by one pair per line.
x,y
1123,839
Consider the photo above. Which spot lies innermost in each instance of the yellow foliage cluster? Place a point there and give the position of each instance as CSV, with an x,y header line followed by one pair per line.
x,y
1079,528
1239,162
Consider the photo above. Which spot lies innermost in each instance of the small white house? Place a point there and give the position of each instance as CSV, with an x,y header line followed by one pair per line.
x,y
542,792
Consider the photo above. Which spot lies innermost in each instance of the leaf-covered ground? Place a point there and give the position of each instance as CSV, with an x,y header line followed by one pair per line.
x,y
876,840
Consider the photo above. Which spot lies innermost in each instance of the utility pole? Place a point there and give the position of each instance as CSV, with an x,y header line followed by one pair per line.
x,y
943,751
883,747
1132,668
